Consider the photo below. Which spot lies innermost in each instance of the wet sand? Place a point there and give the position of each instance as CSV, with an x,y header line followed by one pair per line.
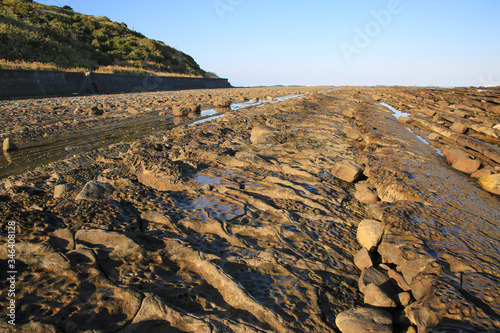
x,y
251,222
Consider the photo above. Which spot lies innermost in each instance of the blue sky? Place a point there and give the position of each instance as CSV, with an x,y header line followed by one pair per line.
x,y
329,42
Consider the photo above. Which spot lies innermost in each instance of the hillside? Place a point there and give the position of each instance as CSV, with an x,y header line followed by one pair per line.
x,y
59,37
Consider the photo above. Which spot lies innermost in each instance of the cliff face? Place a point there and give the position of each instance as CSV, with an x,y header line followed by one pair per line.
x,y
31,32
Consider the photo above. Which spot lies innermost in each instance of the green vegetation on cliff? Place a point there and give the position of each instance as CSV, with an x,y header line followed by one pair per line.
x,y
35,33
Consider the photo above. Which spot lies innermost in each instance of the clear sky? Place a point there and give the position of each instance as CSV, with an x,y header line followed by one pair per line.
x,y
327,42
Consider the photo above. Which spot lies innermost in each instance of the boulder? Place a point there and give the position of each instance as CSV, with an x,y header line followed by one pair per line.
x,y
454,154
195,109
459,128
490,183
376,296
95,190
362,259
404,120
8,145
222,103
366,193
181,111
434,136
466,165
347,170
370,233
364,320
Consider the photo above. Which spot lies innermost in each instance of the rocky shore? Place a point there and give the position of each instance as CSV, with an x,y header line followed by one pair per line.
x,y
323,213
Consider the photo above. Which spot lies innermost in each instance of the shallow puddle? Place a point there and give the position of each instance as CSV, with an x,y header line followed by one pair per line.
x,y
207,180
215,209
396,113
64,146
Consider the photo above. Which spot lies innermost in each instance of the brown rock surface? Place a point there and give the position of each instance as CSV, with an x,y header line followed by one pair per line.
x,y
204,231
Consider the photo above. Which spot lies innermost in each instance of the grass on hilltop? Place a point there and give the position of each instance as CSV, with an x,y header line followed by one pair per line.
x,y
41,37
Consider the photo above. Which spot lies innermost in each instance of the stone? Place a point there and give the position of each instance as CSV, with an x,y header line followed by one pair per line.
x,y
61,190
376,276
459,128
434,137
351,132
429,112
404,120
412,268
347,170
490,183
181,111
370,233
349,113
132,110
195,108
362,259
222,103
8,145
422,286
364,320
420,316
482,172
466,165
96,111
454,154
438,119
403,299
366,193
375,296
95,190
396,278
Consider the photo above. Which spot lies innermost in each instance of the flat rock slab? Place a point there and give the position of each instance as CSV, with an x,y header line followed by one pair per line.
x,y
364,320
